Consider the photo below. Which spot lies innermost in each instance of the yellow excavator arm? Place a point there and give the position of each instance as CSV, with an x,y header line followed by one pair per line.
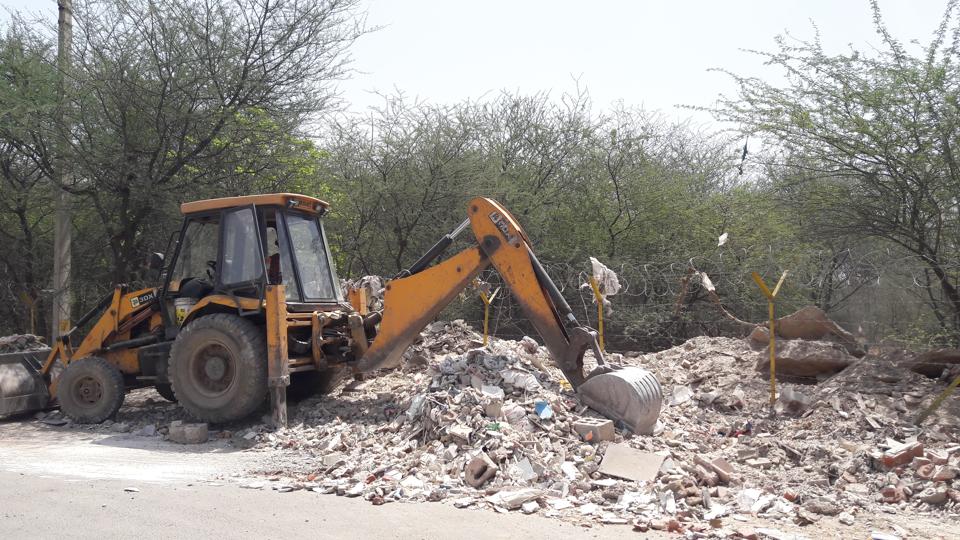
x,y
413,300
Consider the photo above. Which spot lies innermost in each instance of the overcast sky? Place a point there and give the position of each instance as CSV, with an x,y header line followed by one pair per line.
x,y
654,54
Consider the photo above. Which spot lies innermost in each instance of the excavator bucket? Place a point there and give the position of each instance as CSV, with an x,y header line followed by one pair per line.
x,y
628,394
22,387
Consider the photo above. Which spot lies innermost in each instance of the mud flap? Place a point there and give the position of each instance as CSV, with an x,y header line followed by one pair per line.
x,y
22,388
630,395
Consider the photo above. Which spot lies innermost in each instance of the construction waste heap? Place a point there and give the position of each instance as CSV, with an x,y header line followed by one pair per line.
x,y
498,427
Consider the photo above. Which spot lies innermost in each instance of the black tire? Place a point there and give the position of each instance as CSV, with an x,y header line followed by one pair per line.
x,y
90,390
311,383
218,367
166,392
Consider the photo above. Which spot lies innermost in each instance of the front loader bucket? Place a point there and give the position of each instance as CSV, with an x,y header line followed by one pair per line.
x,y
22,388
629,394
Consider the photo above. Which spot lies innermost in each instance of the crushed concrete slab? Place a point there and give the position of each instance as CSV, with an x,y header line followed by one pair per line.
x,y
622,461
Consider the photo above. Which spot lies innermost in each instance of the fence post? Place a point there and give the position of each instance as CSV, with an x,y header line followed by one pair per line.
x,y
596,293
771,297
486,312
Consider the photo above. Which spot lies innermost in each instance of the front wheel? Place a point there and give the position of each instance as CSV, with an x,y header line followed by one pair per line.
x,y
90,390
218,367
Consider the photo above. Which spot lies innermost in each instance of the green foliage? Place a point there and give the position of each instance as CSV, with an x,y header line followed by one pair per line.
x,y
864,145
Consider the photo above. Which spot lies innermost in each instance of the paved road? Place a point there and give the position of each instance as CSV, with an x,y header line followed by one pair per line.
x,y
70,484
39,507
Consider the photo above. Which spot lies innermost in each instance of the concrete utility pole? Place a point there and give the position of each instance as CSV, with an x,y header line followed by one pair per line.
x,y
62,221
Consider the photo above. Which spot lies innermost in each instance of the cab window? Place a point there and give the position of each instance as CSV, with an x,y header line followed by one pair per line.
x,y
311,257
198,252
242,261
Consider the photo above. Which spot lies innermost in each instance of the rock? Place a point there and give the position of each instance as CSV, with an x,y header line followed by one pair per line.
x,y
845,518
658,524
450,452
933,495
723,469
493,408
594,429
792,401
179,432
893,494
681,395
148,430
529,507
530,345
806,359
355,491
944,474
412,483
461,432
760,463
809,323
823,506
331,460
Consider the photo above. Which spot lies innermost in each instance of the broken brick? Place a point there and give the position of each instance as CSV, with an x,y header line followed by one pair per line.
x,y
897,457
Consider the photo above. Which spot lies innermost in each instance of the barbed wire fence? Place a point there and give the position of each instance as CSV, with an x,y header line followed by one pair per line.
x,y
883,299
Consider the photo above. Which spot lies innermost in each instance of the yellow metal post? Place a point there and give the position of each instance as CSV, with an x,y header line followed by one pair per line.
x,y
596,293
771,296
487,300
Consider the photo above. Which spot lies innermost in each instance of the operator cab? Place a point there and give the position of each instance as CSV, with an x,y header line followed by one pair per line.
x,y
236,246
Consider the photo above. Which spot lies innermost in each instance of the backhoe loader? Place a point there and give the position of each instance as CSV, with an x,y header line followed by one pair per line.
x,y
250,303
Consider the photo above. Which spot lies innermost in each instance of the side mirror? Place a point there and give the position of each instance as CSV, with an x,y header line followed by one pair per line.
x,y
155,261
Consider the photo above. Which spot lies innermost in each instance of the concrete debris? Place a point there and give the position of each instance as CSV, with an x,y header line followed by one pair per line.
x,y
479,470
594,429
811,324
467,426
792,401
513,499
810,360
182,433
21,343
717,455
622,461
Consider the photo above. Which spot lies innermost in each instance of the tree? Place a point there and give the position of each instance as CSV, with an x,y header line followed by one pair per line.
x,y
871,141
169,94
27,100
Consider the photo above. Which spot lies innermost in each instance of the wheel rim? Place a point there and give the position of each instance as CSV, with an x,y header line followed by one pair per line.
x,y
212,369
87,391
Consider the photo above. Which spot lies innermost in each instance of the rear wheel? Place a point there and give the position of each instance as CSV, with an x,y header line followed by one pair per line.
x,y
218,367
90,390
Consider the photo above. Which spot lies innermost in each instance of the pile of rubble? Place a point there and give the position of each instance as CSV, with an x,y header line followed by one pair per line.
x,y
499,427
21,343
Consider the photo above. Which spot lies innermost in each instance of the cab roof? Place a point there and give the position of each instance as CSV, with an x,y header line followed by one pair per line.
x,y
286,200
